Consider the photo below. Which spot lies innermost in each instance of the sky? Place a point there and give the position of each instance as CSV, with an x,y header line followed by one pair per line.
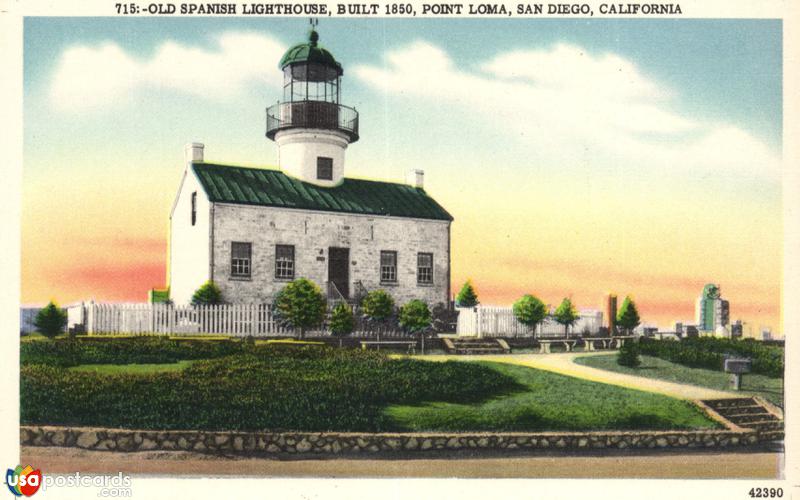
x,y
579,158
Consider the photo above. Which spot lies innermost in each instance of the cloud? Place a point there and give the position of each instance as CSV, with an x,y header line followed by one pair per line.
x,y
90,77
566,103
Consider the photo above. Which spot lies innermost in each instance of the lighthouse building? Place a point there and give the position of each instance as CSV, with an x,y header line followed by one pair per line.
x,y
252,230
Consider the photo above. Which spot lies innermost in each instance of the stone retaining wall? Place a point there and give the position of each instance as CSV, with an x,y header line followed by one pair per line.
x,y
327,443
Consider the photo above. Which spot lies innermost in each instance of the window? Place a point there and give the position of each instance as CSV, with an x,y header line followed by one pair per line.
x,y
324,168
194,207
425,268
240,259
284,262
388,266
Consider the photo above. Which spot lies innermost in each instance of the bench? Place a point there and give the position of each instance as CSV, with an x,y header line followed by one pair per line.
x,y
544,345
411,345
616,341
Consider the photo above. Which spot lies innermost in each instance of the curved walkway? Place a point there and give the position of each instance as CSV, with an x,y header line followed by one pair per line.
x,y
564,364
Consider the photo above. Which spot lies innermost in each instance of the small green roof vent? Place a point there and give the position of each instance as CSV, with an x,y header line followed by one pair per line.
x,y
310,52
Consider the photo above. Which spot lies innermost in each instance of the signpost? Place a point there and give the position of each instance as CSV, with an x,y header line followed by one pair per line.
x,y
737,367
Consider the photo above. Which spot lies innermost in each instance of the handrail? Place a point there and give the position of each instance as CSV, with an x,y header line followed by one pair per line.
x,y
312,114
334,294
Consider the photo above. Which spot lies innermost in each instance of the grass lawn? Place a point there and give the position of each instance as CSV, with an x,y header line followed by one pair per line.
x,y
551,402
652,367
134,368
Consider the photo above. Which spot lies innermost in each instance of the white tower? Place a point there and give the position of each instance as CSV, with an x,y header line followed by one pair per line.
x,y
310,127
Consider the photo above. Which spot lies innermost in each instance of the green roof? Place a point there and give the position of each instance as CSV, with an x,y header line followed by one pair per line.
x,y
272,188
310,52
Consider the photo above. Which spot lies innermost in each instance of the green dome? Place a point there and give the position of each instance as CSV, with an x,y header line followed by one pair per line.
x,y
310,52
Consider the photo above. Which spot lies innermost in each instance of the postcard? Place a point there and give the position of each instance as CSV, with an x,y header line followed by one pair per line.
x,y
314,250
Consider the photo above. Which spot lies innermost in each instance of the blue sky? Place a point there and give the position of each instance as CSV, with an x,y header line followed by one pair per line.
x,y
569,151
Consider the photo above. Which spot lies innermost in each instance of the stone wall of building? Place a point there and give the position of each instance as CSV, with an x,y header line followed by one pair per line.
x,y
312,234
331,443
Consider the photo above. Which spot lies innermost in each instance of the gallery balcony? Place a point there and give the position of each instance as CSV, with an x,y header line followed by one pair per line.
x,y
312,114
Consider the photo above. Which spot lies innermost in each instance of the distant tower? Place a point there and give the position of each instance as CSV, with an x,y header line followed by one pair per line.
x,y
310,127
611,311
711,311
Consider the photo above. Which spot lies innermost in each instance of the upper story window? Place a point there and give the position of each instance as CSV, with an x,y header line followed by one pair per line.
x,y
241,258
284,262
324,168
388,266
425,268
194,207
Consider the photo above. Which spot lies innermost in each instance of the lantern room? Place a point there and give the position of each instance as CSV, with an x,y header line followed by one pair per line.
x,y
310,126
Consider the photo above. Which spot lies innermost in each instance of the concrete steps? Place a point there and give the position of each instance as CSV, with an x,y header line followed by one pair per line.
x,y
749,413
470,346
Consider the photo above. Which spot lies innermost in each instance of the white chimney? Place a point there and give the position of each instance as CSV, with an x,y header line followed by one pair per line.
x,y
416,178
193,152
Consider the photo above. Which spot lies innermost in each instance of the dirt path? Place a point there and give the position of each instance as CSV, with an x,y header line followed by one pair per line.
x,y
699,464
564,364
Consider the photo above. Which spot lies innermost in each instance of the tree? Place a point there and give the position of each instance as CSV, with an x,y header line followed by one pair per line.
x,y
342,322
415,317
629,355
530,311
628,316
208,294
566,314
50,320
467,296
378,306
301,304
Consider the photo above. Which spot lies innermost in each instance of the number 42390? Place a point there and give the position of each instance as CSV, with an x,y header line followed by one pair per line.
x,y
766,492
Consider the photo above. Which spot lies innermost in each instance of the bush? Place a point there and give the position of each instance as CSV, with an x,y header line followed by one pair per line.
x,y
342,321
208,294
301,305
50,321
530,311
710,353
628,315
271,387
467,297
415,316
629,355
139,350
377,305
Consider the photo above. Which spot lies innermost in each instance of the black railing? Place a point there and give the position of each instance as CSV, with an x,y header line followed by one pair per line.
x,y
312,114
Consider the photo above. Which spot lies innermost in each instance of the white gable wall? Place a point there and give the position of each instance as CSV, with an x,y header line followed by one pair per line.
x,y
189,261
312,233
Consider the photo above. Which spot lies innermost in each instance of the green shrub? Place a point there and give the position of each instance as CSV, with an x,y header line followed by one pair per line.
x,y
530,311
342,321
272,387
208,294
628,315
50,321
467,297
566,314
710,353
301,305
140,350
377,305
629,355
415,316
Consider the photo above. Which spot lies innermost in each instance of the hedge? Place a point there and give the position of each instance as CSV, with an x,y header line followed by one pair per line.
x,y
710,353
72,352
270,387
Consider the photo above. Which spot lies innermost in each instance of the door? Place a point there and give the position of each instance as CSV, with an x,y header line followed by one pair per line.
x,y
339,269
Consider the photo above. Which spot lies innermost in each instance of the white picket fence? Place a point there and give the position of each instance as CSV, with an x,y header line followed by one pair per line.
x,y
490,321
236,320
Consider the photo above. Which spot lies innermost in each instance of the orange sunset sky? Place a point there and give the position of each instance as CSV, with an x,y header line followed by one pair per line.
x,y
577,158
